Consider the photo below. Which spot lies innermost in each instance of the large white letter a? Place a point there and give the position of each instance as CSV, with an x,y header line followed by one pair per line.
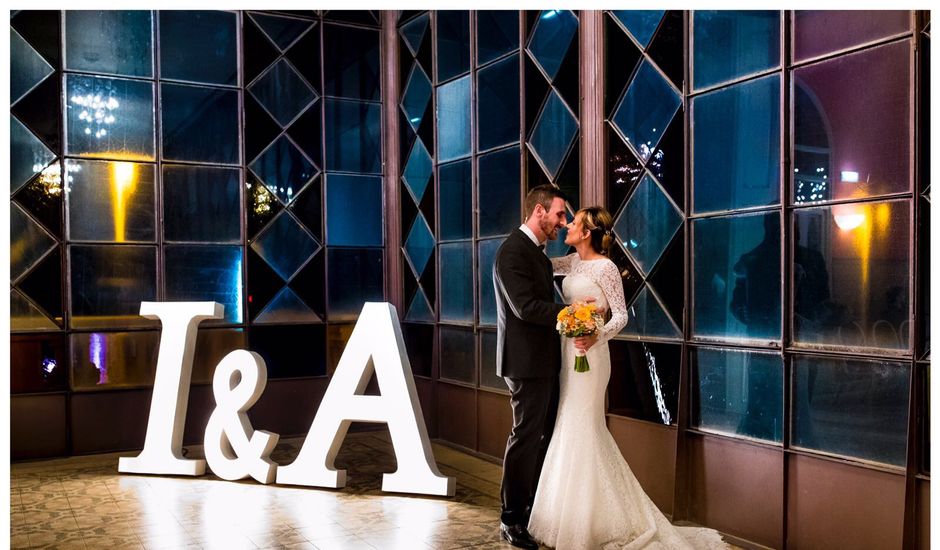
x,y
377,335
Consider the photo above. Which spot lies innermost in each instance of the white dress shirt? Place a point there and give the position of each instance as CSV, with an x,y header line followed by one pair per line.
x,y
525,229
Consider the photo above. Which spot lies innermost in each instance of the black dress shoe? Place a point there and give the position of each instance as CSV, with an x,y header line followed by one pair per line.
x,y
518,536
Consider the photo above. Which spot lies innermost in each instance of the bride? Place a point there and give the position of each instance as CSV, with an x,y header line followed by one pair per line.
x,y
587,496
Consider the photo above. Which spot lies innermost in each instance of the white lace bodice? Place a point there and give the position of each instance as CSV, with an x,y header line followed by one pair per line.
x,y
583,279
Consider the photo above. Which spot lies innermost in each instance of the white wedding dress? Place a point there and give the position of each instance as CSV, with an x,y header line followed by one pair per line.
x,y
587,496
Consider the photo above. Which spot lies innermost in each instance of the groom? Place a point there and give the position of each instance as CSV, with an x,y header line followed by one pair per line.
x,y
528,353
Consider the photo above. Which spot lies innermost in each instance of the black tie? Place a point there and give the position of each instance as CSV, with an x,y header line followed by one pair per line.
x,y
542,247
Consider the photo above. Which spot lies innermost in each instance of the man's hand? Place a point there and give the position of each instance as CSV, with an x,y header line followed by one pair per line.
x,y
584,343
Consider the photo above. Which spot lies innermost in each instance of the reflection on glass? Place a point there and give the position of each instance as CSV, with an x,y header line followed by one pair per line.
x,y
487,256
201,203
355,277
419,245
420,309
730,44
553,134
27,68
455,201
453,119
457,287
457,357
453,43
641,23
354,212
25,316
413,32
738,393
284,170
416,96
499,180
109,118
28,155
736,281
200,124
554,31
109,283
351,62
38,363
199,46
646,110
353,138
28,241
205,273
851,408
287,307
282,92
497,33
647,224
488,377
817,32
644,380
112,42
842,110
110,201
736,144
418,170
498,104
114,359
851,275
285,245
647,318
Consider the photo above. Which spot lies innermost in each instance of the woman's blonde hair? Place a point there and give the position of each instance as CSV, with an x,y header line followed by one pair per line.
x,y
598,221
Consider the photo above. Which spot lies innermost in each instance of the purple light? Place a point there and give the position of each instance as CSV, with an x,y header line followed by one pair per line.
x,y
97,351
48,365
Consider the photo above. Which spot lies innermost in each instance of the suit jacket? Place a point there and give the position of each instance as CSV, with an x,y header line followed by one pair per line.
x,y
527,344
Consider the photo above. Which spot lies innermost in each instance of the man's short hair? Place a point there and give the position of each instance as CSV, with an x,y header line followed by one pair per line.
x,y
544,195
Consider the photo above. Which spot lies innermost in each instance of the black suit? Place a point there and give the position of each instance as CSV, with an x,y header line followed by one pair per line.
x,y
528,356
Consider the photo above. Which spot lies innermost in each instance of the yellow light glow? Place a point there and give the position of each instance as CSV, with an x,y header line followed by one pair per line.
x,y
123,181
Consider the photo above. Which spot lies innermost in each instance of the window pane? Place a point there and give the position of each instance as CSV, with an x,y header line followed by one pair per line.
x,y
28,155
457,354
110,201
731,44
646,109
199,46
351,62
737,146
453,119
455,207
736,281
553,134
106,117
284,170
283,31
851,408
817,32
498,104
200,124
644,380
28,241
27,68
488,377
353,138
286,349
114,359
641,23
647,318
487,256
457,286
355,277
283,92
738,393
113,42
419,245
554,31
413,31
201,203
499,180
25,316
416,96
354,212
497,33
285,246
38,363
851,125
647,224
206,273
453,43
851,275
418,170
419,341
109,283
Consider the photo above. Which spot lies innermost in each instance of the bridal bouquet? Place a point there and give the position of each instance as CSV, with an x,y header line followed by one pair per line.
x,y
579,319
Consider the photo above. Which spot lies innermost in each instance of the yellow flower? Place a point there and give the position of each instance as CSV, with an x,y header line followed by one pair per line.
x,y
583,314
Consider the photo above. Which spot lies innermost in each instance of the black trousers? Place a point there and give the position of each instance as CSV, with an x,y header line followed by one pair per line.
x,y
534,405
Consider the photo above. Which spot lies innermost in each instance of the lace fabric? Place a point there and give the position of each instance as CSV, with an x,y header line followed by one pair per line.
x,y
588,497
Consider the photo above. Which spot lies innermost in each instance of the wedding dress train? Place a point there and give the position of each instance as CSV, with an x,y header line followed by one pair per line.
x,y
587,496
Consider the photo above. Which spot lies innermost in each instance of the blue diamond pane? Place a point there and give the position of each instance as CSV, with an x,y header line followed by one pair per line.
x,y
419,245
554,131
418,170
420,309
646,317
413,32
646,109
647,224
284,170
551,39
287,307
640,23
28,242
27,68
283,92
416,96
285,246
28,155
283,31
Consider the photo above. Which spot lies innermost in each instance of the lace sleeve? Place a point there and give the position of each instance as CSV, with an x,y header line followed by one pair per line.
x,y
562,265
612,286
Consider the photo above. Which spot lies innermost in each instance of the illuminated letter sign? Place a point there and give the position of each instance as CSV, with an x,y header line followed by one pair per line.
x,y
375,345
